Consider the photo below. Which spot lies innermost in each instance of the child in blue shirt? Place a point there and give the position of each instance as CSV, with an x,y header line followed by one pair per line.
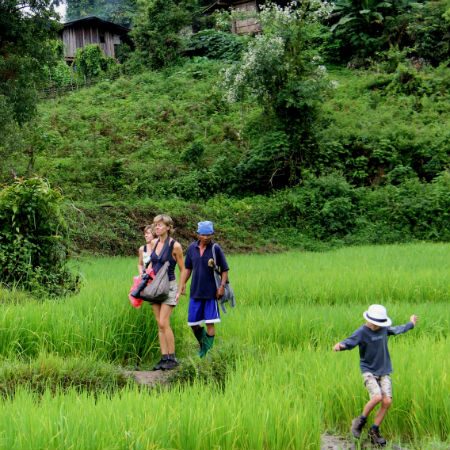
x,y
375,364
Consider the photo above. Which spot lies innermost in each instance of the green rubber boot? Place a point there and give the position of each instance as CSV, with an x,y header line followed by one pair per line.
x,y
207,344
200,334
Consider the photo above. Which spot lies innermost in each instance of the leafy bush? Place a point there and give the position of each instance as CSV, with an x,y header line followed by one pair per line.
x,y
282,72
193,153
270,164
216,45
34,238
156,34
411,210
361,30
92,63
429,32
386,127
329,209
323,207
61,75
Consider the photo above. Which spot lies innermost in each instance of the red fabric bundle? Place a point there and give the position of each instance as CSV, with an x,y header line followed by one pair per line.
x,y
137,302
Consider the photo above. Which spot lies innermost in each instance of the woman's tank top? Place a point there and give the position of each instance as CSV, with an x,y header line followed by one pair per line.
x,y
145,255
165,255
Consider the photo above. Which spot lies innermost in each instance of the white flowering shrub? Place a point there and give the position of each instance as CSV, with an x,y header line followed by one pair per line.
x,y
283,72
281,68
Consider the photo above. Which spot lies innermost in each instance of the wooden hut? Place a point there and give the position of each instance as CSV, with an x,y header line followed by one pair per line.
x,y
246,25
92,30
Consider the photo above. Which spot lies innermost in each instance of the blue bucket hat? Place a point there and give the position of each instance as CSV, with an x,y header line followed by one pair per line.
x,y
206,227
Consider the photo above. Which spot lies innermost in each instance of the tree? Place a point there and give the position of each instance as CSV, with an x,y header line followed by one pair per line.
x,y
156,34
117,11
26,31
281,70
34,238
362,25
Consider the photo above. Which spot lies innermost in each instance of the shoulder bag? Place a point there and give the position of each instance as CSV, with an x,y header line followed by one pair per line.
x,y
158,290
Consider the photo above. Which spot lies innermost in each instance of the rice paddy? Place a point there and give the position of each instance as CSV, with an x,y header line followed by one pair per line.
x,y
281,384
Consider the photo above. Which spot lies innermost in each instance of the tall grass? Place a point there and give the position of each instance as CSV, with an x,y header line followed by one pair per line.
x,y
286,385
250,414
277,400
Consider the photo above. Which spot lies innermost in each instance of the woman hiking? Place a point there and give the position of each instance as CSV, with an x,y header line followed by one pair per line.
x,y
164,248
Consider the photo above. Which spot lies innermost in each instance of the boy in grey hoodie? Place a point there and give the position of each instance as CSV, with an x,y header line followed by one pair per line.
x,y
375,364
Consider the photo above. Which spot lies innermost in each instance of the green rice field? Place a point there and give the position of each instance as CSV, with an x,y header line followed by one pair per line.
x,y
271,381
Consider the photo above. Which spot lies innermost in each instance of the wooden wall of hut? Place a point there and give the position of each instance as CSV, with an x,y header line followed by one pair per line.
x,y
250,25
76,37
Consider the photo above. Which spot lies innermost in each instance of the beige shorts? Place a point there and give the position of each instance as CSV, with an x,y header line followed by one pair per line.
x,y
378,385
173,289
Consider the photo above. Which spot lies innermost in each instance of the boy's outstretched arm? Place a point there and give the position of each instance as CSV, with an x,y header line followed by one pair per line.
x,y
338,347
399,329
350,342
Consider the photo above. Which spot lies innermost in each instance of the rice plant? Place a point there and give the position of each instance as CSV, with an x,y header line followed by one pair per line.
x,y
272,379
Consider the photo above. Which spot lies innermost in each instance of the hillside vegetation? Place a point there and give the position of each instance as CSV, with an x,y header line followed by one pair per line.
x,y
168,141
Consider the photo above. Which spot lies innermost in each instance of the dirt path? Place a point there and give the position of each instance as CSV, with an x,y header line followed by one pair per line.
x,y
148,377
331,442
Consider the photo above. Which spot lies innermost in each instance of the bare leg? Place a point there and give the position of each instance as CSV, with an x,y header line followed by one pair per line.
x,y
385,404
371,404
161,336
164,328
210,329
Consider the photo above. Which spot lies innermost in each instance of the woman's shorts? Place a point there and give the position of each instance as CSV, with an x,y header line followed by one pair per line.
x,y
378,385
173,289
203,311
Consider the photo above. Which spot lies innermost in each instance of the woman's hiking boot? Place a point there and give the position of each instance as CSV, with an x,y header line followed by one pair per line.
x,y
357,426
170,363
376,438
160,363
206,345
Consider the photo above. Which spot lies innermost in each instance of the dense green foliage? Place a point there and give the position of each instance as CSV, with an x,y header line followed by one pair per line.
x,y
116,11
364,28
33,238
362,162
387,125
167,141
216,45
156,33
26,45
92,63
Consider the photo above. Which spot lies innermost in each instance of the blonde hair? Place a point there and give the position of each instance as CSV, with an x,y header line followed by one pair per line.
x,y
166,220
151,228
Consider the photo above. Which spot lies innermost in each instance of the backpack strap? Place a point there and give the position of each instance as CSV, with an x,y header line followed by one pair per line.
x,y
214,257
170,250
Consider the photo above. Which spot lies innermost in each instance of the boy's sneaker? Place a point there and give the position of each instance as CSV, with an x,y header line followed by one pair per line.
x,y
376,438
357,426
169,364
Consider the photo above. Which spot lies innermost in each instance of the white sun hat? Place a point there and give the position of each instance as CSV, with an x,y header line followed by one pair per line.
x,y
377,315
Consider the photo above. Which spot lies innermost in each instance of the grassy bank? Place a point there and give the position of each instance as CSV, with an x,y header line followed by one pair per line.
x,y
167,141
